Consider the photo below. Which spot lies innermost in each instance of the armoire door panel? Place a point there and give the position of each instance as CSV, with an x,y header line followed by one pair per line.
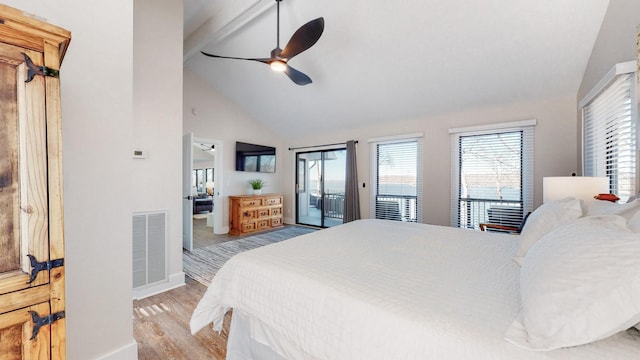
x,y
31,209
34,207
16,332
23,172
9,189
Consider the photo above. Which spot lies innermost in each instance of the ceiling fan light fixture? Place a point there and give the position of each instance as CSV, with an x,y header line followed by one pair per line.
x,y
208,147
278,66
302,39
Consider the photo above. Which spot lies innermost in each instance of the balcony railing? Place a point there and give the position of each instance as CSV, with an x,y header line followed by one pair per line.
x,y
333,205
472,212
391,207
397,207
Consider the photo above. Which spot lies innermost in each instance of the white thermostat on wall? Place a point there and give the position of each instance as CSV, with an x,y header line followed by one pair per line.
x,y
139,153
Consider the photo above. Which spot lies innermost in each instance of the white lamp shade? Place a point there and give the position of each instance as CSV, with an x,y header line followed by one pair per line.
x,y
580,187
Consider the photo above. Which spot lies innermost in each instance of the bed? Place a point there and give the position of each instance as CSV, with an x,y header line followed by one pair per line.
x,y
377,289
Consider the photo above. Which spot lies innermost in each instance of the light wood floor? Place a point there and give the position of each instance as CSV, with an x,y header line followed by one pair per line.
x,y
161,327
203,235
161,322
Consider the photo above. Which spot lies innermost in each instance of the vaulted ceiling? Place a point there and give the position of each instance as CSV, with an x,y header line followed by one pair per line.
x,y
387,60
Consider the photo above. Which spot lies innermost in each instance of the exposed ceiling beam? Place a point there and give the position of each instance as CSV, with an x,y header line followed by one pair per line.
x,y
224,21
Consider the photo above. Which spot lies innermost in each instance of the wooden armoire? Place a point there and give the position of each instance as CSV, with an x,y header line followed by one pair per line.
x,y
32,292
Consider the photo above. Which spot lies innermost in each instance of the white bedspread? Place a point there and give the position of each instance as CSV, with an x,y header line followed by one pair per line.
x,y
374,289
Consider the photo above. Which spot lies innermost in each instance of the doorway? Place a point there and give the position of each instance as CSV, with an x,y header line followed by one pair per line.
x,y
202,185
320,184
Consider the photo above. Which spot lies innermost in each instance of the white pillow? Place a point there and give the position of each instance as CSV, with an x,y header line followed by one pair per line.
x,y
634,222
579,284
544,219
603,207
634,225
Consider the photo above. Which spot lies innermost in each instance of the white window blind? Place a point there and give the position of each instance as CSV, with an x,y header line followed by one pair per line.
x,y
397,179
610,136
492,176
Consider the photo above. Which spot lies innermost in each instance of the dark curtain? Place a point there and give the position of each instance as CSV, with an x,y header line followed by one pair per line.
x,y
351,197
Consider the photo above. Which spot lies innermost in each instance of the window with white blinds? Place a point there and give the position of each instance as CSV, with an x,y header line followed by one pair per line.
x,y
610,135
397,179
492,175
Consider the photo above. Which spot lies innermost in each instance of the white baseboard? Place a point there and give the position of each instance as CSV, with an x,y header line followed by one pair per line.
x,y
222,230
175,280
127,352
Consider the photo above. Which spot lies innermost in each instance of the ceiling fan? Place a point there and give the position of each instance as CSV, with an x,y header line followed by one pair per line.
x,y
204,147
307,35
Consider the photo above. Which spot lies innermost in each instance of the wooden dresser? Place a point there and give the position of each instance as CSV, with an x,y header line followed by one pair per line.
x,y
252,213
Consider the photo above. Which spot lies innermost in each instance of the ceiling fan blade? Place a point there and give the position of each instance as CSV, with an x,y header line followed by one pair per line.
x,y
296,76
304,38
262,60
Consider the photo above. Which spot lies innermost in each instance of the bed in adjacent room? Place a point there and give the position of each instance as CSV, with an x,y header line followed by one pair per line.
x,y
376,289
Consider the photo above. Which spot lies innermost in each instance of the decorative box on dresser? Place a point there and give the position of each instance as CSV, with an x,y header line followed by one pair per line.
x,y
253,213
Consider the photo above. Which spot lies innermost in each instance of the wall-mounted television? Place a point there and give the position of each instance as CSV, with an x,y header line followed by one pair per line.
x,y
255,158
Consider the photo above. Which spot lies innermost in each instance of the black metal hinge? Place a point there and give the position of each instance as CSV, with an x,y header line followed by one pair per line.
x,y
36,266
39,322
34,69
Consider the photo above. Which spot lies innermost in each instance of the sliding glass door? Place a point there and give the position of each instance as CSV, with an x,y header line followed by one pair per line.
x,y
320,180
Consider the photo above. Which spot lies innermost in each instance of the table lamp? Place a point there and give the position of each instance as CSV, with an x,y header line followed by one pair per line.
x,y
209,187
580,187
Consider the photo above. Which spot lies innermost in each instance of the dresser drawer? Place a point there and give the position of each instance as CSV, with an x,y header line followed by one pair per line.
x,y
247,227
276,211
249,215
276,200
263,224
263,213
251,202
276,222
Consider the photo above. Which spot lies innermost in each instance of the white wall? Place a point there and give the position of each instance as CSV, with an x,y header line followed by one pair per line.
x,y
555,149
96,84
203,164
219,119
616,43
157,125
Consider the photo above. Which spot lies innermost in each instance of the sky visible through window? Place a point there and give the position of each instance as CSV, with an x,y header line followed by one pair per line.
x,y
491,166
397,168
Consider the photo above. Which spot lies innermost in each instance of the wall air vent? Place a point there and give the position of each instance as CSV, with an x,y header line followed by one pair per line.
x,y
149,248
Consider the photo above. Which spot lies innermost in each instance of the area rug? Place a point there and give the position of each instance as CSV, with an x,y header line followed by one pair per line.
x,y
202,264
